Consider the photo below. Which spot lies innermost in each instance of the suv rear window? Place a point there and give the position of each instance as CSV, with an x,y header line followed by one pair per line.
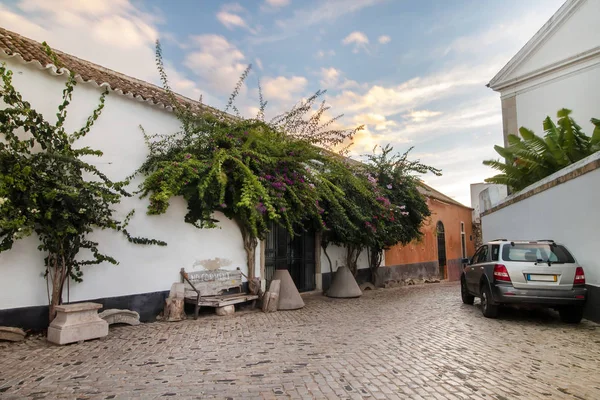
x,y
533,252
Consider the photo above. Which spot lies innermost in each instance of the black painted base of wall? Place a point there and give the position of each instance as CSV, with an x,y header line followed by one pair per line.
x,y
592,305
35,319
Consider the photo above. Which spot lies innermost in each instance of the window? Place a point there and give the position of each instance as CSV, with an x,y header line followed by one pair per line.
x,y
495,252
537,252
480,256
463,240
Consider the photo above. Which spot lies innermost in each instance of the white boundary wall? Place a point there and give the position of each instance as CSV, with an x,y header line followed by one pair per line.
x,y
568,213
142,269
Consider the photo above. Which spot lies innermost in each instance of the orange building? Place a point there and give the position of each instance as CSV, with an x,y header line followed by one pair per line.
x,y
447,239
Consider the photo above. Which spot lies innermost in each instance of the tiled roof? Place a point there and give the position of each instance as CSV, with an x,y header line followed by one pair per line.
x,y
12,44
431,192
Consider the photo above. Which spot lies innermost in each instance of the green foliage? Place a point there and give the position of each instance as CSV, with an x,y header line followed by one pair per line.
x,y
290,171
48,189
530,158
382,205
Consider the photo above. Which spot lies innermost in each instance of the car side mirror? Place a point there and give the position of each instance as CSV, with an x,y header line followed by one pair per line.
x,y
465,261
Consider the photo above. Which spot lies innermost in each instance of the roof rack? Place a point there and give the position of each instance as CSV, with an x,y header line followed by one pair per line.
x,y
546,240
500,240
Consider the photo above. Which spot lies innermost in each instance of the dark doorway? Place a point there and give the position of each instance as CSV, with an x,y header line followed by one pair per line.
x,y
441,242
295,253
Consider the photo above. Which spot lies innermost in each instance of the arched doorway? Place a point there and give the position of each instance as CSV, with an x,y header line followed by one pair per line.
x,y
441,244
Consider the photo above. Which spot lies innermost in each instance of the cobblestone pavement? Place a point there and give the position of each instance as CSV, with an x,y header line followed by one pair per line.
x,y
411,342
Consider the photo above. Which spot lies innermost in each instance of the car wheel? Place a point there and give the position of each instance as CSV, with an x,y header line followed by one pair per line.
x,y
488,309
571,315
467,298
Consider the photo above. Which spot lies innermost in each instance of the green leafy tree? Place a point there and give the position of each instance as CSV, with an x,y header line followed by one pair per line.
x,y
382,206
530,158
255,172
48,189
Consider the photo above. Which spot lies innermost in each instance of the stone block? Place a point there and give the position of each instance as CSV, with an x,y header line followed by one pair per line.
x,y
77,322
115,316
225,310
177,291
11,334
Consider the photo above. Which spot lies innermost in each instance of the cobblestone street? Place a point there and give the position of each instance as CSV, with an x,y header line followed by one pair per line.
x,y
410,342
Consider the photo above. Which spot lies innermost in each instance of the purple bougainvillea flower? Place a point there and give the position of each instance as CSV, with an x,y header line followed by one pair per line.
x,y
188,156
223,205
261,208
246,133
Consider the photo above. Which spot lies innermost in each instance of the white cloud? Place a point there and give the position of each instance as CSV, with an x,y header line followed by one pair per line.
x,y
329,77
278,3
383,39
113,34
232,21
378,121
358,39
323,12
282,88
218,63
394,99
324,54
233,7
332,78
421,115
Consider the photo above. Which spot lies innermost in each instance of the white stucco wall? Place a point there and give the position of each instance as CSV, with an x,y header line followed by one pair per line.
x,y
485,194
567,213
579,33
142,269
578,91
338,259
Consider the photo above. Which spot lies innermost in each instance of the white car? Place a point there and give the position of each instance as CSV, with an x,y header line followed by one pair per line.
x,y
538,272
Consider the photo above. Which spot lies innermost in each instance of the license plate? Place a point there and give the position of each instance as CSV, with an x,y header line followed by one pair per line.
x,y
542,278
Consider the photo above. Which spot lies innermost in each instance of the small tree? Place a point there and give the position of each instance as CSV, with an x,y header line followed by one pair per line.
x,y
530,158
381,206
395,183
44,190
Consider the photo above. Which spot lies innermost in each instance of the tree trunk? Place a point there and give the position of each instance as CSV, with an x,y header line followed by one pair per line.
x,y
250,244
58,281
352,254
324,246
375,257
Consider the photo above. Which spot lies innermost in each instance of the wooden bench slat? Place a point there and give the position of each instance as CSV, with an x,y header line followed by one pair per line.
x,y
206,288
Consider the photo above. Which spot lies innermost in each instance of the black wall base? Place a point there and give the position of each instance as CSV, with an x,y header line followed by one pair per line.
x,y
35,319
592,305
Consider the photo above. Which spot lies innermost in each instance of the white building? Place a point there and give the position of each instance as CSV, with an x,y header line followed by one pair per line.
x,y
485,196
144,276
558,68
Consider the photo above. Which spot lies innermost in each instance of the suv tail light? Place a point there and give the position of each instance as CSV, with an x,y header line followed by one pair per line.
x,y
500,273
579,277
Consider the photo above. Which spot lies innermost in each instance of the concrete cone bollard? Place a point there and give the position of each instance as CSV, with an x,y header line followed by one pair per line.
x,y
289,297
344,285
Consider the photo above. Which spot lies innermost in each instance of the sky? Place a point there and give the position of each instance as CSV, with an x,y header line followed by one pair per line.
x,y
412,72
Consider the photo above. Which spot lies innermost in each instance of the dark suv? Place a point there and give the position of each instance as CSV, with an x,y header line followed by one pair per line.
x,y
541,273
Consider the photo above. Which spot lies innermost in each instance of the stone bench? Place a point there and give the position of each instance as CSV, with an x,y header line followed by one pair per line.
x,y
76,323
